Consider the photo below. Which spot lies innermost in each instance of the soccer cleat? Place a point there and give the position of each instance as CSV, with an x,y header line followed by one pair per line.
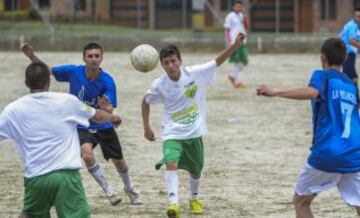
x,y
240,85
114,199
134,196
173,211
196,207
232,81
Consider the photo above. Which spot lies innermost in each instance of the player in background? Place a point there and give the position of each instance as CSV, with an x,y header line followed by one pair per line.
x,y
182,90
350,35
236,22
335,152
43,126
96,88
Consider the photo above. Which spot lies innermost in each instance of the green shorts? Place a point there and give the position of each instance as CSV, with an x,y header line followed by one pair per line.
x,y
240,55
62,189
187,154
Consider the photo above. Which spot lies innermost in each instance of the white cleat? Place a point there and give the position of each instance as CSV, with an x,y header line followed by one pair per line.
x,y
134,196
114,199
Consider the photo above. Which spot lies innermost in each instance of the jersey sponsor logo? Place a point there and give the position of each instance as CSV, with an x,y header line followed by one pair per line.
x,y
348,101
186,116
191,91
344,96
81,94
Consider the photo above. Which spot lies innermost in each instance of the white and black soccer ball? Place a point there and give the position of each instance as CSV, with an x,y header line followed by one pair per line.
x,y
144,58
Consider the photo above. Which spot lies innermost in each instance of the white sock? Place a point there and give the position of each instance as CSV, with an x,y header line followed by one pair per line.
x,y
235,73
125,176
172,186
95,171
194,188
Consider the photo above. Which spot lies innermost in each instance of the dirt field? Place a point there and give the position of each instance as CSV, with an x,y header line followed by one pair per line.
x,y
255,147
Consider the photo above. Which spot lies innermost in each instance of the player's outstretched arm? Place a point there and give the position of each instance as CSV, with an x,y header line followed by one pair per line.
x,y
145,110
229,50
305,93
28,51
102,116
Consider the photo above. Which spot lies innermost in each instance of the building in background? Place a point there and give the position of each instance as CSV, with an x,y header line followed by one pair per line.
x,y
14,9
265,15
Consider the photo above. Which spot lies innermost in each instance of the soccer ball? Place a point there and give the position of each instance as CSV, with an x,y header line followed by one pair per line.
x,y
144,58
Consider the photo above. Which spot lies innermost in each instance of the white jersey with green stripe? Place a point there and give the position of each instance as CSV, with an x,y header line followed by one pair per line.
x,y
184,100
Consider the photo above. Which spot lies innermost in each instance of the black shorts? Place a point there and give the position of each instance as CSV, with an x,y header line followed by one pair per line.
x,y
108,140
349,66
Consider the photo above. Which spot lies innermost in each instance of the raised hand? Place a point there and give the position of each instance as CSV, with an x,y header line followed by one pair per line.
x,y
265,91
239,38
28,50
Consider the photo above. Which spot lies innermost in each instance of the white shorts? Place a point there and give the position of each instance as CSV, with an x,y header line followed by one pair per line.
x,y
312,181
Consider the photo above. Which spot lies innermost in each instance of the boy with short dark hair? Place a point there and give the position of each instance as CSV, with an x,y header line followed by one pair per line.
x,y
182,91
335,150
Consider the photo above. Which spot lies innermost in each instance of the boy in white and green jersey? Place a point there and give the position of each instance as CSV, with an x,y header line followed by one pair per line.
x,y
182,90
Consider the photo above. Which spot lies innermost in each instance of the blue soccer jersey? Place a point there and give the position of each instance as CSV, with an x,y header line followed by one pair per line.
x,y
350,30
86,90
336,140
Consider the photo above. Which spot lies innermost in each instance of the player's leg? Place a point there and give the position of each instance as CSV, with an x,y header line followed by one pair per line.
x,y
239,60
349,188
309,184
243,61
302,205
172,150
234,76
111,148
192,160
70,198
87,141
22,215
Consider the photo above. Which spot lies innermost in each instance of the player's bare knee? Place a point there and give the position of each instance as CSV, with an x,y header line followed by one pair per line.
x,y
357,211
302,201
120,164
88,158
171,166
22,215
195,176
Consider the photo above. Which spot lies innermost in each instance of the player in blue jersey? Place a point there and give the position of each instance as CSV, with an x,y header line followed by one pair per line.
x,y
95,87
350,35
335,151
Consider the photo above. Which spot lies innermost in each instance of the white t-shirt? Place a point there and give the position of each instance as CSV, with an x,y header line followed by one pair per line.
x,y
43,126
184,100
235,23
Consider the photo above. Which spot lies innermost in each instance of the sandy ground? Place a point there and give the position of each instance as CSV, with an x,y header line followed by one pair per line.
x,y
255,147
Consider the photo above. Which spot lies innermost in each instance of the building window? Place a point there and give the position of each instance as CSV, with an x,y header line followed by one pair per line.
x,y
80,5
10,5
328,9
44,3
226,5
356,3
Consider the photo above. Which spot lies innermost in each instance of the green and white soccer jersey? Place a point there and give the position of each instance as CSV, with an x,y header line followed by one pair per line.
x,y
235,23
184,101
